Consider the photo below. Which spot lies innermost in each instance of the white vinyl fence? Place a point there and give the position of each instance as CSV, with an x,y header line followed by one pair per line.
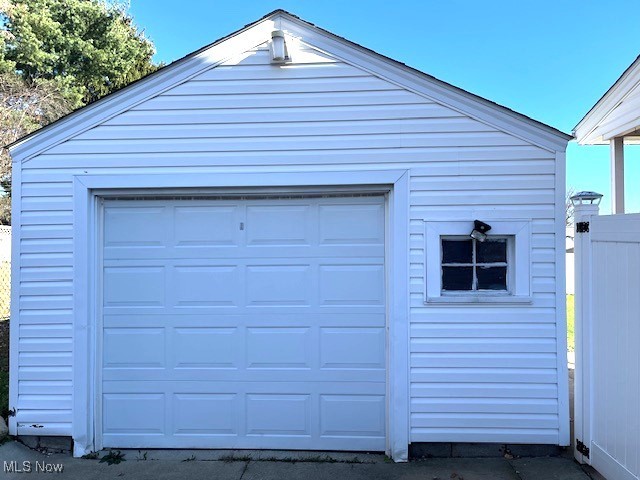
x,y
607,396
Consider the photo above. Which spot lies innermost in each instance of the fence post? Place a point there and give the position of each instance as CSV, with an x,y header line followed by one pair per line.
x,y
586,205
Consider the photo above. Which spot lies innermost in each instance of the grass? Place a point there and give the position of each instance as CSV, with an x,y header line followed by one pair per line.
x,y
571,321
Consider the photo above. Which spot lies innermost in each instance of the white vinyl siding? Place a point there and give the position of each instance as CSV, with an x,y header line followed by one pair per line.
x,y
485,373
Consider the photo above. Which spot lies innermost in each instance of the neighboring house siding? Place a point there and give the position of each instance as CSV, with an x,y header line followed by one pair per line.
x,y
486,373
621,120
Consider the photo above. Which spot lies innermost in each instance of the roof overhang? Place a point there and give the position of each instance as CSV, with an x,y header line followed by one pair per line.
x,y
257,33
616,114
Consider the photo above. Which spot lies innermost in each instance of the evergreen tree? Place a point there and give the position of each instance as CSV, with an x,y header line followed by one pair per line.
x,y
90,47
59,55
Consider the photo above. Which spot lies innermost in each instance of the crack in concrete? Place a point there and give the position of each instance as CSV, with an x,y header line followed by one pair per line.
x,y
42,450
246,467
515,472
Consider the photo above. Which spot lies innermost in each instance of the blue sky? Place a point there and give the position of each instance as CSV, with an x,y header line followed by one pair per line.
x,y
549,59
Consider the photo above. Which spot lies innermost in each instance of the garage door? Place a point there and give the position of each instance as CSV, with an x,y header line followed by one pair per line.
x,y
243,323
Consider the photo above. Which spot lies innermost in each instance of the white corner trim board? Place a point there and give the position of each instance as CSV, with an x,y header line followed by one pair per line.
x,y
564,433
519,256
14,326
90,189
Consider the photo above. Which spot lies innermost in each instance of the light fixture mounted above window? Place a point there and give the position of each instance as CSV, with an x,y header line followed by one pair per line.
x,y
278,48
480,230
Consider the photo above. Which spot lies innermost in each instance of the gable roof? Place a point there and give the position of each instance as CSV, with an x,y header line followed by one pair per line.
x,y
609,117
259,32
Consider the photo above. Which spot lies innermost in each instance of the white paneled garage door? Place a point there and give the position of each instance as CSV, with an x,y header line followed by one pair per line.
x,y
244,323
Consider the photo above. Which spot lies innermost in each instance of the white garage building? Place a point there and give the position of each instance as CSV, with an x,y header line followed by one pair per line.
x,y
266,245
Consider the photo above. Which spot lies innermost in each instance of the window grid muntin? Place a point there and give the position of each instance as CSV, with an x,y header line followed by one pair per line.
x,y
474,285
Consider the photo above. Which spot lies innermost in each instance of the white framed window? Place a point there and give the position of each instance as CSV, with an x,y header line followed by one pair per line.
x,y
460,269
469,265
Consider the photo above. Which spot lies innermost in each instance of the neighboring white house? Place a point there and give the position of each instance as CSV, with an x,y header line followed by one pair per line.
x,y
615,120
266,245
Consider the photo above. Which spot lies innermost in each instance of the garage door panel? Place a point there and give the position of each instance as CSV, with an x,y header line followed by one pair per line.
x,y
137,227
134,286
134,347
254,323
278,414
292,252
241,387
352,415
206,226
279,347
270,442
278,225
222,254
278,285
134,413
344,284
337,227
192,414
334,318
230,374
145,283
206,347
249,312
206,286
352,348
254,416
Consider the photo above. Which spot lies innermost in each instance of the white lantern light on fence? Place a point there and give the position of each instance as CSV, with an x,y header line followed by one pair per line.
x,y
586,198
278,47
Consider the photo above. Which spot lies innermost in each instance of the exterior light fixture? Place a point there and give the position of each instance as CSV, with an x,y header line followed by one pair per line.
x,y
480,230
586,198
278,47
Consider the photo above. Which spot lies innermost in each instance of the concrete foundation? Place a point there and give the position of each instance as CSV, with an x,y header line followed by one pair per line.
x,y
48,444
419,451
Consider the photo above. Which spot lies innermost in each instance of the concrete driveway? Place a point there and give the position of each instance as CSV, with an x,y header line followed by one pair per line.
x,y
276,465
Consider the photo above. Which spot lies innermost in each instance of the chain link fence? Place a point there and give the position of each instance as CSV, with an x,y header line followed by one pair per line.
x,y
5,305
5,272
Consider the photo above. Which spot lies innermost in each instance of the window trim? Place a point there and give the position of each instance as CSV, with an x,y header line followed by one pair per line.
x,y
519,256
